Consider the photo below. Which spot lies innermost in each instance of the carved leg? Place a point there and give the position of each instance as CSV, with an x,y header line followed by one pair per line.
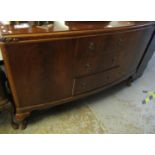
x,y
23,125
14,124
19,125
11,110
20,120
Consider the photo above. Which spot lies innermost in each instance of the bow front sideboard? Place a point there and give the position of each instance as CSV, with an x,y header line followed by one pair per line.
x,y
46,67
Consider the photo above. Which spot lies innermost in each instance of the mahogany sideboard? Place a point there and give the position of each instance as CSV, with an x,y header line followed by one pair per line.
x,y
46,66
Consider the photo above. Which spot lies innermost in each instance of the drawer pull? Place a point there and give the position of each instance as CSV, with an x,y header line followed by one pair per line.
x,y
91,46
88,67
120,41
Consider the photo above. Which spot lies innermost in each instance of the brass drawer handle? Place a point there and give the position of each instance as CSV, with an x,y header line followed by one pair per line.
x,y
88,67
91,46
120,41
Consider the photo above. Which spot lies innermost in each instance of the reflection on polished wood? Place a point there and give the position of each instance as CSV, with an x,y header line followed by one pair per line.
x,y
10,29
48,66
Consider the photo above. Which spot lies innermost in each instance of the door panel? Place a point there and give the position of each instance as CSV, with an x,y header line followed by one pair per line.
x,y
42,72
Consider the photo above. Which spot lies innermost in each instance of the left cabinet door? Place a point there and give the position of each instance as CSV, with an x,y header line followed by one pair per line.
x,y
41,72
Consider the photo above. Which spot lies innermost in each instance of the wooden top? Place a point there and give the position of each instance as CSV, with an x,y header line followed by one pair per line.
x,y
26,30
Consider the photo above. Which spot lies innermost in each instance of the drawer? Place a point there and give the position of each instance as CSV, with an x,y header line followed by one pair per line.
x,y
89,47
97,64
97,54
95,81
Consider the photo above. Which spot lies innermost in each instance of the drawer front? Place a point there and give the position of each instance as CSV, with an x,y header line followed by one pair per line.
x,y
97,64
44,72
96,54
95,81
133,49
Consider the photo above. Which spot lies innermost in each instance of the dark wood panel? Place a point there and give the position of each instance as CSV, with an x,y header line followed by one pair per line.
x,y
96,54
42,72
133,47
95,81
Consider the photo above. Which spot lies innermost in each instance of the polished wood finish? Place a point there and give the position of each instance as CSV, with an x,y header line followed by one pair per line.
x,y
46,67
95,81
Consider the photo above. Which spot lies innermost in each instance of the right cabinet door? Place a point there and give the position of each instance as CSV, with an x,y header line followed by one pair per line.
x,y
133,45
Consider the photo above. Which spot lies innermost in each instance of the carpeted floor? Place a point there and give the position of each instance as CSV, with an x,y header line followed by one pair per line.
x,y
71,118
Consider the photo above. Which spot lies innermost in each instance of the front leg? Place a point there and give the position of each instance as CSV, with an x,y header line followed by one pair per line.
x,y
11,110
19,120
19,125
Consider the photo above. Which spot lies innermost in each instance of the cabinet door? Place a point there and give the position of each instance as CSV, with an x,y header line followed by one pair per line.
x,y
134,44
41,72
146,57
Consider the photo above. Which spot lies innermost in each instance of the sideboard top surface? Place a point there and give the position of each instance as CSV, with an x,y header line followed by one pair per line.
x,y
75,28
